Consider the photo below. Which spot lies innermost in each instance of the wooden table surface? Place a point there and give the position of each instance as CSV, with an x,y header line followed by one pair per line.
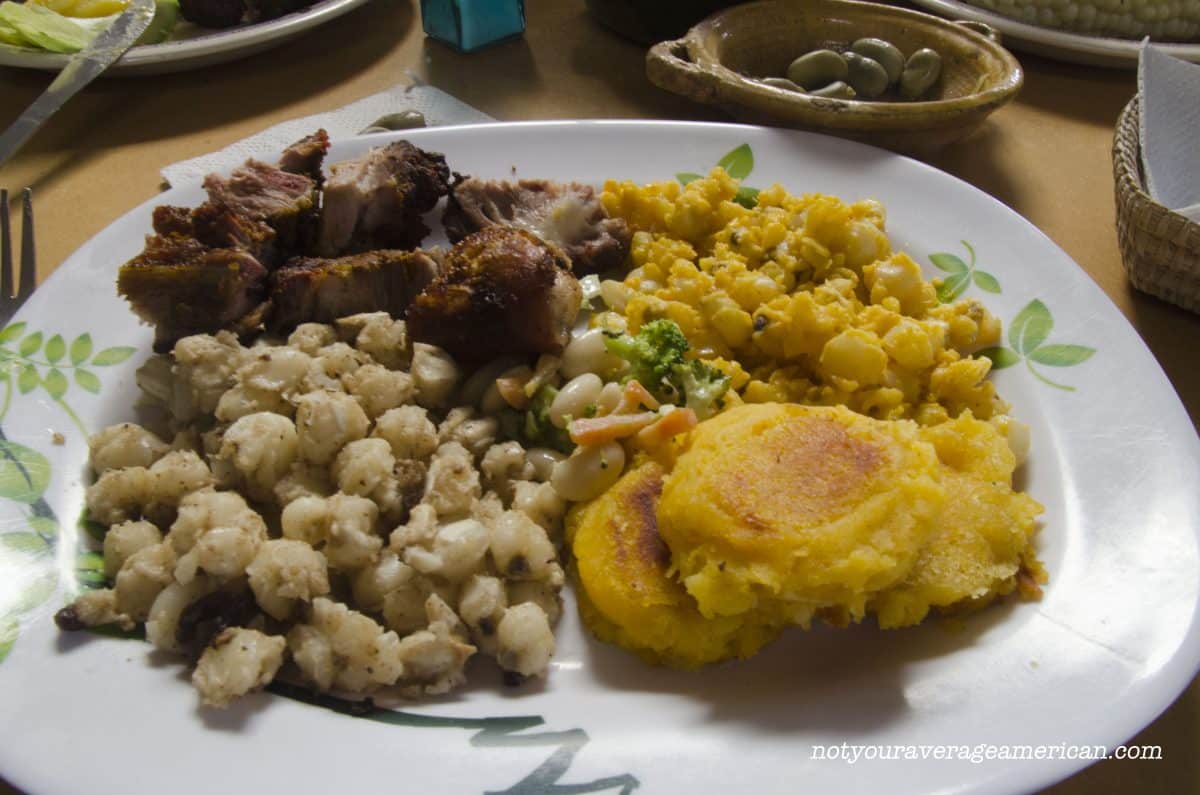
x,y
1047,156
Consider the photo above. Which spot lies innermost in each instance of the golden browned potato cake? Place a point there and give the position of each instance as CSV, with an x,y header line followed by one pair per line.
x,y
788,509
626,593
983,537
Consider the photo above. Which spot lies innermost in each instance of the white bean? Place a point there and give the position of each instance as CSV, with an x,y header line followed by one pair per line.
x,y
492,403
588,472
587,353
543,459
475,387
608,399
615,294
574,398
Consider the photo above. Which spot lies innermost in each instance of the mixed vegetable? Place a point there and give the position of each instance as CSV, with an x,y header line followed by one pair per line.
x,y
67,26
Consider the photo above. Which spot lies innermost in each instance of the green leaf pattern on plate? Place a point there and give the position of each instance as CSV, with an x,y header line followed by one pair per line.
x,y
8,635
32,360
960,275
1027,335
506,732
738,163
1028,331
49,364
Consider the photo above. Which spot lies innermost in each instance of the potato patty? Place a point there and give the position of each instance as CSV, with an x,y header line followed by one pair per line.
x,y
626,594
789,509
983,538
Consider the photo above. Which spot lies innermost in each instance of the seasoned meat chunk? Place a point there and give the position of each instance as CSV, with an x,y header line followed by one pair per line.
x,y
306,156
566,214
323,290
182,287
376,201
218,226
258,192
501,291
170,220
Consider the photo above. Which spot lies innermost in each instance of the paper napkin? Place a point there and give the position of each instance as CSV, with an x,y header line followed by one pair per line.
x,y
1169,89
438,107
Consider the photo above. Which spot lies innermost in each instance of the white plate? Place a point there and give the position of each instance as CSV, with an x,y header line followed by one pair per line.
x,y
1058,44
201,48
1115,461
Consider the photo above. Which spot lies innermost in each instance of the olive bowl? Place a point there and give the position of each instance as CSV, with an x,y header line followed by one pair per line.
x,y
722,59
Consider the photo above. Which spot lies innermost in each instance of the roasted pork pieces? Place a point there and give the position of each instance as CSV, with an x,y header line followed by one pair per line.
x,y
308,290
377,200
279,245
568,215
502,290
182,287
207,268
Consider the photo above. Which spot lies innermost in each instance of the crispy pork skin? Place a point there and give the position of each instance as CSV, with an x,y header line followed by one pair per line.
x,y
322,290
566,214
377,200
170,220
501,290
306,156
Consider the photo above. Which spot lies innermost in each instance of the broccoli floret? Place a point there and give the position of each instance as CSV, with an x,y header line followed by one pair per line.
x,y
537,430
652,354
656,360
703,385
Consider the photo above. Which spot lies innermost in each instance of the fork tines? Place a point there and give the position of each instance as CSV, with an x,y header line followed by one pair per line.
x,y
12,293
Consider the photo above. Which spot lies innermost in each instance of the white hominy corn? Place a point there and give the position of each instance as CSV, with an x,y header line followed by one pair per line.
x,y
238,661
326,441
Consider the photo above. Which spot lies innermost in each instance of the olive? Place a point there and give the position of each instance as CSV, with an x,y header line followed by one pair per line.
x,y
404,120
781,82
817,69
884,53
866,76
921,71
835,90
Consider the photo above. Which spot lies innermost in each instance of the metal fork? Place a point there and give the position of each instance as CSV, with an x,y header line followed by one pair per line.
x,y
11,301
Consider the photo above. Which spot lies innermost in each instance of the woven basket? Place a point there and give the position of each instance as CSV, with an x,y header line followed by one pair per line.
x,y
1160,247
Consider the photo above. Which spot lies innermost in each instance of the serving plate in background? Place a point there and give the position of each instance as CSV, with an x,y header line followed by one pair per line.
x,y
200,47
717,61
1059,45
1116,638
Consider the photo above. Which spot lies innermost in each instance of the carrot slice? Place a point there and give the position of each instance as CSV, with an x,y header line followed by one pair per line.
x,y
600,430
674,423
636,397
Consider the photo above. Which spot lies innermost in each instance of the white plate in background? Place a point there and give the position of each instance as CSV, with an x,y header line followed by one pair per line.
x,y
1059,45
201,47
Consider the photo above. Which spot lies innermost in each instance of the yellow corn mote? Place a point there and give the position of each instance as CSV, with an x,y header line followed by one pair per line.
x,y
803,300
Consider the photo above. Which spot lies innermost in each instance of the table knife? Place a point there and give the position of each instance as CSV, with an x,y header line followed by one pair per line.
x,y
83,67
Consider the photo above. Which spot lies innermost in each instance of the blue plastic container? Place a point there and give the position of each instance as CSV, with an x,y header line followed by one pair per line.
x,y
467,25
